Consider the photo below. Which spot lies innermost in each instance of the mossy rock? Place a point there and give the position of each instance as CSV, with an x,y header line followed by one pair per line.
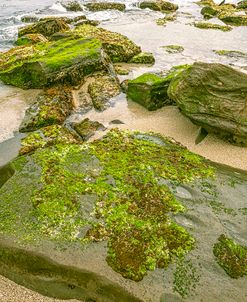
x,y
208,12
149,90
237,20
121,70
29,19
232,257
143,58
98,6
46,27
107,190
63,61
47,136
242,4
118,47
72,5
102,89
88,22
87,128
31,39
207,25
166,19
173,48
51,107
213,96
231,53
158,5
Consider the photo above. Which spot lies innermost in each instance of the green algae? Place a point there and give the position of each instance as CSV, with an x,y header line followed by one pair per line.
x,y
106,190
206,25
105,5
232,257
173,48
167,18
143,58
231,53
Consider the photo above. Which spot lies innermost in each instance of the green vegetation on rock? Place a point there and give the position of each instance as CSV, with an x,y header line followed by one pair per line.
x,y
111,190
158,5
98,6
167,18
231,53
207,25
173,48
30,39
72,5
87,128
118,47
232,257
143,58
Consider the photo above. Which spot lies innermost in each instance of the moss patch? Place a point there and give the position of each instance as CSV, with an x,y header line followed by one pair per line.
x,y
206,25
173,48
231,256
105,5
143,58
231,53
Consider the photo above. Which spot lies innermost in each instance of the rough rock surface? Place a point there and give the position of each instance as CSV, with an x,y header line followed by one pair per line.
x,y
159,5
87,128
63,61
51,107
46,27
30,39
98,6
106,221
72,5
118,47
213,96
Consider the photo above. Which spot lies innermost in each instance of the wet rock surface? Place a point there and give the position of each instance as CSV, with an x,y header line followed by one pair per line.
x,y
213,96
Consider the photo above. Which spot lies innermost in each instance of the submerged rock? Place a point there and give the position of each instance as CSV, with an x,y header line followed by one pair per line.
x,y
46,27
30,39
231,53
118,47
173,48
98,6
87,128
149,90
158,5
237,20
242,4
64,61
51,107
213,96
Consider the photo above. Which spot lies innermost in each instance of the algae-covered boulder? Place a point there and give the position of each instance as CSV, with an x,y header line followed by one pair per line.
x,y
87,128
208,12
51,107
207,25
149,90
63,61
72,5
30,39
213,96
46,27
242,4
143,58
234,19
158,5
47,136
118,47
94,221
98,6
102,88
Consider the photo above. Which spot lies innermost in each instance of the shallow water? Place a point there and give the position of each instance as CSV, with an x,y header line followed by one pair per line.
x,y
140,26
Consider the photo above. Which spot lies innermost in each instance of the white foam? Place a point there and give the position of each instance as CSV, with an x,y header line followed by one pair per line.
x,y
57,6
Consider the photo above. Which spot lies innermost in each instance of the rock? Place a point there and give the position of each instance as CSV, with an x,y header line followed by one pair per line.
x,y
124,85
98,6
207,25
208,12
46,27
213,96
102,89
47,136
143,58
51,107
118,47
242,4
149,90
158,5
29,19
231,53
173,48
30,39
167,18
87,128
72,5
121,70
89,22
43,64
237,20
74,218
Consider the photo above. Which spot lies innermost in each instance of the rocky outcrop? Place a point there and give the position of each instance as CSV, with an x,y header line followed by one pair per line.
x,y
30,39
149,90
64,61
51,107
72,5
159,5
213,96
98,6
118,47
46,27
